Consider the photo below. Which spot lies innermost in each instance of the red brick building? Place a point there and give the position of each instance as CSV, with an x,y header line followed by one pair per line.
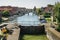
x,y
12,10
47,9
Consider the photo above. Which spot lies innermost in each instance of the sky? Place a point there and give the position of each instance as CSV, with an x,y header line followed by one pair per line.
x,y
27,3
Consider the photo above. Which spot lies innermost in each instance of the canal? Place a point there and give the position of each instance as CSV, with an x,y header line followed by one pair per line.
x,y
30,25
29,19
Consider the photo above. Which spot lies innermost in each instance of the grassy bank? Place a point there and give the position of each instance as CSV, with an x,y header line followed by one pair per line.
x,y
35,37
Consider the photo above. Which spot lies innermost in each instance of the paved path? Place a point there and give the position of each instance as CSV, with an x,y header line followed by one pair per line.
x,y
15,35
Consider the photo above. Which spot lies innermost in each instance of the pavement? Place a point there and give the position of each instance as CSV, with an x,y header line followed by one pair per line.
x,y
15,34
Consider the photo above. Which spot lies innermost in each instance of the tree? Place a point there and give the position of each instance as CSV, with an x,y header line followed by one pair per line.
x,y
47,15
39,12
5,13
34,9
58,19
56,10
57,14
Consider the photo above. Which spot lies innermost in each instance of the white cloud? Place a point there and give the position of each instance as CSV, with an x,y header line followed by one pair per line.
x,y
27,3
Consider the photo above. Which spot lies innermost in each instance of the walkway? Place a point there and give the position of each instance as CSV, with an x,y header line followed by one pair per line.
x,y
15,34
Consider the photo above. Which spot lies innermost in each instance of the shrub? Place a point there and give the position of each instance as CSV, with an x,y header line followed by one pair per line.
x,y
58,19
48,19
5,14
0,20
58,28
47,15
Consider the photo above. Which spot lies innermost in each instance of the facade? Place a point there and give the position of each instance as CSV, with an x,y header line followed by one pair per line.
x,y
21,10
12,10
29,10
15,10
48,9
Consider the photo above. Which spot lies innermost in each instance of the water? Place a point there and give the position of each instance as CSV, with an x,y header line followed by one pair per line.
x,y
28,20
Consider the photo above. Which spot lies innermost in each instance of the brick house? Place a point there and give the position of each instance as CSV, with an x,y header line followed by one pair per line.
x,y
48,10
12,10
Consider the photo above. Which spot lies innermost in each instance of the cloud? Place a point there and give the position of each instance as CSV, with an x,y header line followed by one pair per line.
x,y
27,3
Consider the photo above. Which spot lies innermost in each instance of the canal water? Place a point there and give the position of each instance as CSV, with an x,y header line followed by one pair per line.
x,y
29,19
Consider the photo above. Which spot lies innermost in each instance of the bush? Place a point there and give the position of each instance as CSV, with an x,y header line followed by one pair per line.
x,y
5,14
47,15
48,19
58,20
0,20
58,28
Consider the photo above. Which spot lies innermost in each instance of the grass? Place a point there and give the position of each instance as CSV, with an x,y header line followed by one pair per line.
x,y
35,37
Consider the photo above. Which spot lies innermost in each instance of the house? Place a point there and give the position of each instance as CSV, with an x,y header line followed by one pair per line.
x,y
29,10
48,10
21,10
12,10
15,10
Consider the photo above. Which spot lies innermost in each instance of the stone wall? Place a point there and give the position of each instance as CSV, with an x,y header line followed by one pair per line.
x,y
32,29
52,34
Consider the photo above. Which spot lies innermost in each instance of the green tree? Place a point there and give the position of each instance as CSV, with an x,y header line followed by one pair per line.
x,y
58,20
57,14
39,12
56,6
34,9
5,13
47,15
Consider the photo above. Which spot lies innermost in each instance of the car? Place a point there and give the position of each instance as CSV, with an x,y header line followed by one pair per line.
x,y
43,21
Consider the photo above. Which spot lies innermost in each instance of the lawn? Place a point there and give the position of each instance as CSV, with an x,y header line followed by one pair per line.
x,y
35,37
